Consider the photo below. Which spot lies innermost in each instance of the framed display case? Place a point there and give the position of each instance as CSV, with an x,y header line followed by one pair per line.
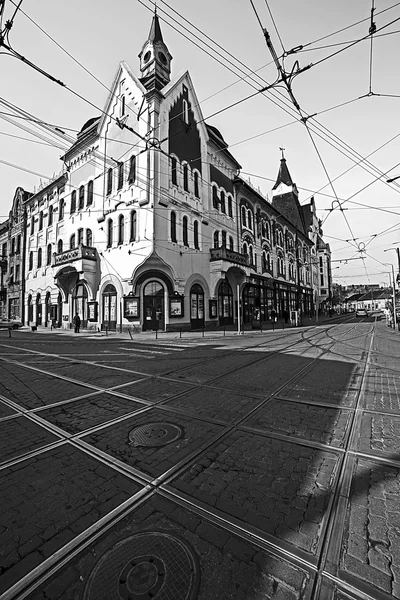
x,y
131,307
92,311
213,308
176,308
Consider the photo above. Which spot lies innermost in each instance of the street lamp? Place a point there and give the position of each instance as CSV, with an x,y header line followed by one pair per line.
x,y
394,291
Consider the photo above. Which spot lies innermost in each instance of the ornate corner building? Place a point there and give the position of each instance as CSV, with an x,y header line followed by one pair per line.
x,y
151,224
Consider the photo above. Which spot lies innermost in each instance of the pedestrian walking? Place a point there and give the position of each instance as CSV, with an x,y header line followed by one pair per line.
x,y
77,322
273,315
286,316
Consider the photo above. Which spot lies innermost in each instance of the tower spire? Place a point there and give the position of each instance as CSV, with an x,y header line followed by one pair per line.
x,y
155,59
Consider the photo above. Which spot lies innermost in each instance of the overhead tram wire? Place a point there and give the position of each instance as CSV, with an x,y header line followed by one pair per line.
x,y
287,81
343,43
287,108
372,30
75,60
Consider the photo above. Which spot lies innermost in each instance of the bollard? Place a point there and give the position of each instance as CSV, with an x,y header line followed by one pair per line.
x,y
260,326
180,332
203,332
156,334
9,332
106,331
224,330
130,335
273,325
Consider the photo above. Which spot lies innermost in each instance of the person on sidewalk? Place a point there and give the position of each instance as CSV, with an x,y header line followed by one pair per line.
x,y
77,322
273,315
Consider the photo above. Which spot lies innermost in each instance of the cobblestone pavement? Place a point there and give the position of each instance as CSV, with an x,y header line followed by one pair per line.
x,y
261,467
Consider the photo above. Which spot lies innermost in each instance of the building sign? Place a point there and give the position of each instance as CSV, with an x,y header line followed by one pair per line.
x,y
131,307
176,305
212,307
92,311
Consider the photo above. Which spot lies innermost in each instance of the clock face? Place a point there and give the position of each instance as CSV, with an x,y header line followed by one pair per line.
x,y
147,56
162,57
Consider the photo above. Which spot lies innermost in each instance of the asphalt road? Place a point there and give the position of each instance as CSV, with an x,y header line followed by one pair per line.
x,y
263,466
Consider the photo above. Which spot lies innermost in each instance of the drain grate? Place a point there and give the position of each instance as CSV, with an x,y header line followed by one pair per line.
x,y
155,434
150,564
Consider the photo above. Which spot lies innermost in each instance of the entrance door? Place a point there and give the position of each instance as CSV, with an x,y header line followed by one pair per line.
x,y
38,310
109,308
196,307
153,300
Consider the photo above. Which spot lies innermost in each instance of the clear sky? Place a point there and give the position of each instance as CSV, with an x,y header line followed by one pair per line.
x,y
100,34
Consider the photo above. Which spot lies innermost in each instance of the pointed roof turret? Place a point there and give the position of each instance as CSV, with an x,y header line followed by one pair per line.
x,y
155,59
155,34
283,175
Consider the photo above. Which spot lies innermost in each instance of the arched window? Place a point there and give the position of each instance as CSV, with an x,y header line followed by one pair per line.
x,y
73,202
80,236
173,227
230,207
59,246
120,175
41,220
81,197
72,242
48,262
231,244
109,181
267,233
121,225
185,177
244,220
61,209
215,199
216,239
33,225
196,234
109,233
89,200
263,229
132,226
132,169
185,231
223,235
222,200
185,111
174,172
250,219
89,237
245,249
39,258
251,255
196,184
50,219
30,261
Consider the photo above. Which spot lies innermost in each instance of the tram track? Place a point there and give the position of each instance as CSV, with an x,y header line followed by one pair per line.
x,y
162,483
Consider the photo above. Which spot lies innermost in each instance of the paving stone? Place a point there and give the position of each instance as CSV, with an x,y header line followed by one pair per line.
x,y
153,460
75,417
20,435
257,463
154,390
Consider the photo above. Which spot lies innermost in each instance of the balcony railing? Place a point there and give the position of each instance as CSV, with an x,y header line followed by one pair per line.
x,y
229,255
79,253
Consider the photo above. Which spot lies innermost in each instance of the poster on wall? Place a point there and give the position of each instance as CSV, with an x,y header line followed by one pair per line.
x,y
176,305
92,311
212,305
131,307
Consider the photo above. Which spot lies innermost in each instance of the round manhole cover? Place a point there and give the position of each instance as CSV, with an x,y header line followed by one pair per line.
x,y
150,564
155,434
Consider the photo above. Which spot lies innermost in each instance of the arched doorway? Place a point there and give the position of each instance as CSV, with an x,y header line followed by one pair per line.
x,y
109,313
225,303
153,302
47,317
196,306
79,300
38,310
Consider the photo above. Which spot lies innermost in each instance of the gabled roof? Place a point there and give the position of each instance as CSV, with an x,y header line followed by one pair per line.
x,y
216,137
283,175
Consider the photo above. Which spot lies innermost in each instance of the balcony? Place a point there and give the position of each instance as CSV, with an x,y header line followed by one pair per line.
x,y
81,253
229,256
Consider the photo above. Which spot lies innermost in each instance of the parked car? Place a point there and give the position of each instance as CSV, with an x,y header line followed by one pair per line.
x,y
9,324
361,312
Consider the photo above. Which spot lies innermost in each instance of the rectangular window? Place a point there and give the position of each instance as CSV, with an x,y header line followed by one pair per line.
x,y
132,169
17,268
322,280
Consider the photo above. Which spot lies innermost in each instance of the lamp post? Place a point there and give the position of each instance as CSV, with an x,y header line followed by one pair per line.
x,y
394,291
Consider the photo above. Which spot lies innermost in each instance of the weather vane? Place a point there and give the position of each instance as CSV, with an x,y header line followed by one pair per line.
x,y
282,150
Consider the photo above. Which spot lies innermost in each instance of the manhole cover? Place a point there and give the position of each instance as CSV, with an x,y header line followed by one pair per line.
x,y
150,564
155,434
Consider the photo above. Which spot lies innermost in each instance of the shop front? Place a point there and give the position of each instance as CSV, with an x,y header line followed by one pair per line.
x,y
153,306
258,300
